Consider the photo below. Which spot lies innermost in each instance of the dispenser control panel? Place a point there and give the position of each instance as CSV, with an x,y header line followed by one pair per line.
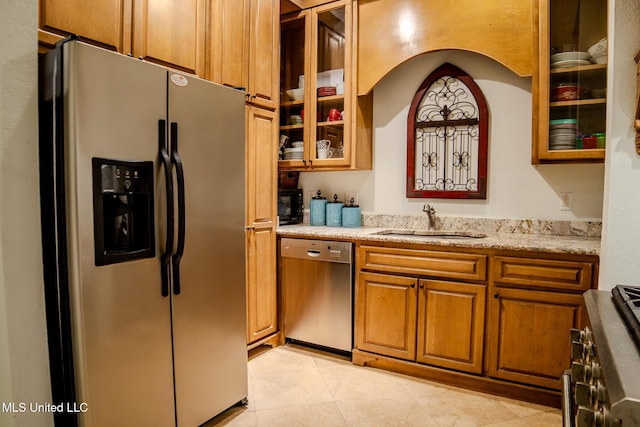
x,y
123,210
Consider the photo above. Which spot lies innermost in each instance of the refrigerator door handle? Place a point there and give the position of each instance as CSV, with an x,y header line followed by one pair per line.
x,y
177,256
166,162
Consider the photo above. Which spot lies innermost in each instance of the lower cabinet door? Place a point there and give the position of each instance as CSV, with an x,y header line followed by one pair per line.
x,y
451,319
262,303
386,315
529,336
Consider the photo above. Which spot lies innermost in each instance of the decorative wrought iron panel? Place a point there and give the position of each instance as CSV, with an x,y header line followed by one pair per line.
x,y
447,137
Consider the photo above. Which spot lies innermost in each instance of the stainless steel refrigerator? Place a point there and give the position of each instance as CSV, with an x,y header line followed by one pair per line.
x,y
142,189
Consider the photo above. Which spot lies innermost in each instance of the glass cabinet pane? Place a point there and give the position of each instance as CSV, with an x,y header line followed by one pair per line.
x,y
577,75
292,87
330,69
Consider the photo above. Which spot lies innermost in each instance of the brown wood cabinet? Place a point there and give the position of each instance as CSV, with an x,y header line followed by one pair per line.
x,y
496,321
529,338
228,57
105,23
535,302
318,60
244,48
394,31
264,57
261,182
451,317
436,322
386,315
569,25
171,33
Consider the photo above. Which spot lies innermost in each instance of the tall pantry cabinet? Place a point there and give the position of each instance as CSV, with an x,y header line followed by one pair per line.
x,y
248,37
231,42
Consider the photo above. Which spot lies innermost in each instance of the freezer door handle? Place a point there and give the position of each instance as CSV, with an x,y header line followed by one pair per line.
x,y
177,256
166,163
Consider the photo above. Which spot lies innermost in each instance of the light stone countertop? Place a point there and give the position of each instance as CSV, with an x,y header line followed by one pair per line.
x,y
566,244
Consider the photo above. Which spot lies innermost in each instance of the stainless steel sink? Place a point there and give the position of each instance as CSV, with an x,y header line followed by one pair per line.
x,y
436,234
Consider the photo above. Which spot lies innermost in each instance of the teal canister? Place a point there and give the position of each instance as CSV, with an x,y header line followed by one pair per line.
x,y
318,210
351,215
334,212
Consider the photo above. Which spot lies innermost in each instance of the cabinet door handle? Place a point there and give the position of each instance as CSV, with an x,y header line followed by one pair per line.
x,y
421,285
496,295
413,285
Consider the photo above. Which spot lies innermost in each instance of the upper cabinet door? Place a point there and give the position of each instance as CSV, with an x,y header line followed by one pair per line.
x,y
229,52
103,22
569,87
171,33
264,53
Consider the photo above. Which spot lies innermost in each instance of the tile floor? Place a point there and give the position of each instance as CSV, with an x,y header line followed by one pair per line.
x,y
293,386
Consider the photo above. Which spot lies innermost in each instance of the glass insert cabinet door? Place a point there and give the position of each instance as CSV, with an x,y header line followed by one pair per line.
x,y
447,138
570,87
315,76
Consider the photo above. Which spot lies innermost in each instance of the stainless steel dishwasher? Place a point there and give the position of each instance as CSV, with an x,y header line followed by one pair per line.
x,y
316,278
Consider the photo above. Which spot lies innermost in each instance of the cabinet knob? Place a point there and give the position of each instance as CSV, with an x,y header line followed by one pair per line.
x,y
496,295
413,285
421,285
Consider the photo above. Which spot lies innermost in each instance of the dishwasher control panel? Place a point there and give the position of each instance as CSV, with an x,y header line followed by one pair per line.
x,y
316,250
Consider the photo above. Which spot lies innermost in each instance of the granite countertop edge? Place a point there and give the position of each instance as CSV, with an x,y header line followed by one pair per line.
x,y
575,245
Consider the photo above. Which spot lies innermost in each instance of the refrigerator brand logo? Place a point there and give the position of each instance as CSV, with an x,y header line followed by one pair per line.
x,y
179,80
20,407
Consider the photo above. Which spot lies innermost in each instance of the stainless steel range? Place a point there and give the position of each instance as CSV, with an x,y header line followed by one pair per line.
x,y
602,388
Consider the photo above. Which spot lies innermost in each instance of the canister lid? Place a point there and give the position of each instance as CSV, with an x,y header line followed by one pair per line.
x,y
352,204
335,199
318,196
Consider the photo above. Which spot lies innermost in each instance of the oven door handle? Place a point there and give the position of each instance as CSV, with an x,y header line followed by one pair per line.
x,y
567,400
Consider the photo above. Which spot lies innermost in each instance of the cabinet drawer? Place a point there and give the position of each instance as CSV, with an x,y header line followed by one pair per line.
x,y
542,273
452,265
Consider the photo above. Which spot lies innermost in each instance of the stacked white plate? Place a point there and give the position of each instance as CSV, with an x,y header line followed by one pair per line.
x,y
296,153
562,134
570,59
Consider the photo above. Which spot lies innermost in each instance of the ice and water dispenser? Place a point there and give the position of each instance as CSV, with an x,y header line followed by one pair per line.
x,y
123,210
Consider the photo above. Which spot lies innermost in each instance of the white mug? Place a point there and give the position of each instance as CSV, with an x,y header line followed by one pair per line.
x,y
323,153
323,144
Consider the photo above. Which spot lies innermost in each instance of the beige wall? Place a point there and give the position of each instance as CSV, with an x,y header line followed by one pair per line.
x,y
24,370
516,189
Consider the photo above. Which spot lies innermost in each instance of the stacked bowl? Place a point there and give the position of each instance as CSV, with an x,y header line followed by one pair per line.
x,y
599,52
562,134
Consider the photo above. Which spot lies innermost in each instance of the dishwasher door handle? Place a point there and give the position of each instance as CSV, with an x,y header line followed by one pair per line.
x,y
313,253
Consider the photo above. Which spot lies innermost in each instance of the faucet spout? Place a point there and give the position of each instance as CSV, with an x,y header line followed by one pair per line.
x,y
431,216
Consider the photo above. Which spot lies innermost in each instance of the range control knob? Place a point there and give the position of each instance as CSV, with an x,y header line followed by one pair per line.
x,y
581,335
599,397
580,372
586,372
582,351
577,335
584,394
592,418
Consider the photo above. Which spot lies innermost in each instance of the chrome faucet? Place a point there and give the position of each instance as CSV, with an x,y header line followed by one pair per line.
x,y
431,216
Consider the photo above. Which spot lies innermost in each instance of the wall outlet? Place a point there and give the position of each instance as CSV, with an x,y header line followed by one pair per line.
x,y
348,196
565,201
